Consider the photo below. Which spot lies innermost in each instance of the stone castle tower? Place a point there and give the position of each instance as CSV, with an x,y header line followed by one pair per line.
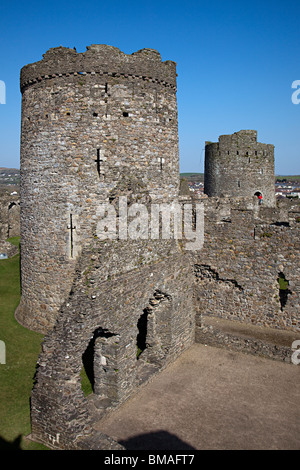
x,y
94,125
97,126
239,166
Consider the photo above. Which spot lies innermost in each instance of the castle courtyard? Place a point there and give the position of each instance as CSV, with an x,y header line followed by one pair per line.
x,y
213,399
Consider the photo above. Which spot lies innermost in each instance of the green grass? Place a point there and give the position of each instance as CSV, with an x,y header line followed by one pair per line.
x,y
17,374
193,177
86,385
283,283
288,177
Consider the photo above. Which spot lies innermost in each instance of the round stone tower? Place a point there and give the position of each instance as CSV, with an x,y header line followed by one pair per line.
x,y
93,124
239,166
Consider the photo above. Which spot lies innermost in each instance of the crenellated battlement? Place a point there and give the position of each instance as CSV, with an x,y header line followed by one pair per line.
x,y
100,59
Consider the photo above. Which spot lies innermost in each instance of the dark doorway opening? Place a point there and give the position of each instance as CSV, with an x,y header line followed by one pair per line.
x,y
142,333
283,290
88,375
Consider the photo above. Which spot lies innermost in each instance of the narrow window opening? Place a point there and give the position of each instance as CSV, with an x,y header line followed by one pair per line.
x,y
237,152
98,162
125,114
255,152
249,160
11,205
68,114
239,184
71,227
106,87
161,161
95,114
281,224
228,152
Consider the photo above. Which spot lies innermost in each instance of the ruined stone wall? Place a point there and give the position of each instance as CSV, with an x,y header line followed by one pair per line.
x,y
9,221
246,250
9,215
239,166
105,315
94,125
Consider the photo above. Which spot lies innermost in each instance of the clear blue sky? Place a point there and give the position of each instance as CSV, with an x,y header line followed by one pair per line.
x,y
236,61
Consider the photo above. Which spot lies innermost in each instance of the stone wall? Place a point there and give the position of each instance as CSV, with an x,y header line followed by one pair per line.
x,y
270,343
105,315
247,249
9,215
133,306
9,221
239,166
95,125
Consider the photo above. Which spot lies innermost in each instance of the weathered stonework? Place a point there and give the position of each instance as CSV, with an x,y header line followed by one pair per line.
x,y
9,215
108,314
238,166
246,250
94,125
9,221
99,126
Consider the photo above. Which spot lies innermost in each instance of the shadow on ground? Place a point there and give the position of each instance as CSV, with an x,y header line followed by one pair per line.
x,y
159,440
14,445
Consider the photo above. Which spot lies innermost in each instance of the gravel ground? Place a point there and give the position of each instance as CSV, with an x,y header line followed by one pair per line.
x,y
213,399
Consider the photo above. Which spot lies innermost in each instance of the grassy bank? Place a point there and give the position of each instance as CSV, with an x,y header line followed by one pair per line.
x,y
17,374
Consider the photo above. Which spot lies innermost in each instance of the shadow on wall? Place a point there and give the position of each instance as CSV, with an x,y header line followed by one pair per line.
x,y
159,440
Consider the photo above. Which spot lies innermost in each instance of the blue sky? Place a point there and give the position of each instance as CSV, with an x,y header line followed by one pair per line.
x,y
236,62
